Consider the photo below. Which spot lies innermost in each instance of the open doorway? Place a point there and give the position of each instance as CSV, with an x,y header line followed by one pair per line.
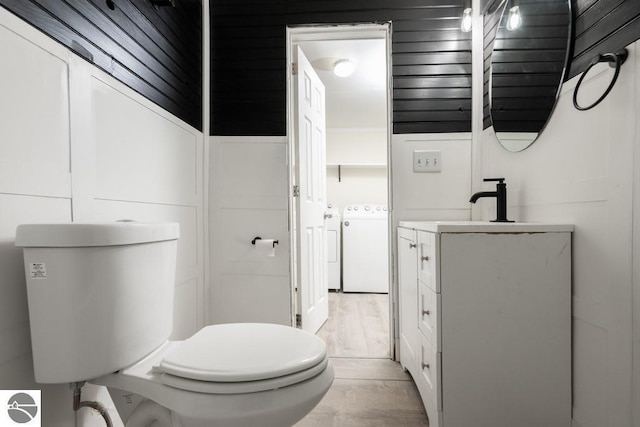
x,y
357,138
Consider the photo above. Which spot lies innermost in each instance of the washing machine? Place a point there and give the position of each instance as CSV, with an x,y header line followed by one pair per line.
x,y
333,247
365,249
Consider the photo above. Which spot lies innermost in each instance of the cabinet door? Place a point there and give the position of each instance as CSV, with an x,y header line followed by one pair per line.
x,y
506,329
408,298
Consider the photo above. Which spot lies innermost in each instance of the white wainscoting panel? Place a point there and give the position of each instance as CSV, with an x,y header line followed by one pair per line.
x,y
432,196
34,119
140,154
252,174
242,226
249,198
186,321
252,298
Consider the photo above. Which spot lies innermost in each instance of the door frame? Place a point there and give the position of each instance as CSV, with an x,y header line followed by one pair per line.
x,y
319,32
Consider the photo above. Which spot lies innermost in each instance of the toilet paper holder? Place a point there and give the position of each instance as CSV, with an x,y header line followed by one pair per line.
x,y
253,242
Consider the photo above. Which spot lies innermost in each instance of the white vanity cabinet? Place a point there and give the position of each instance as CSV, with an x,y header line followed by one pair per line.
x,y
493,314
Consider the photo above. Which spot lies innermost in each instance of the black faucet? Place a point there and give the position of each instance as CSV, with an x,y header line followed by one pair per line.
x,y
501,198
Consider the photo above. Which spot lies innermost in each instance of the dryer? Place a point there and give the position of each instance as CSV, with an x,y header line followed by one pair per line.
x,y
365,249
333,247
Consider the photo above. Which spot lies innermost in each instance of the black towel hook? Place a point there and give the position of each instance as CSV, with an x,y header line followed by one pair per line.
x,y
615,59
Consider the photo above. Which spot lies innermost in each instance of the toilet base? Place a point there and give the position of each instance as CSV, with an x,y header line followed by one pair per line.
x,y
274,408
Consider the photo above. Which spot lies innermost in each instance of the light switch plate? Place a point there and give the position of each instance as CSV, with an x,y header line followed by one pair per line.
x,y
427,161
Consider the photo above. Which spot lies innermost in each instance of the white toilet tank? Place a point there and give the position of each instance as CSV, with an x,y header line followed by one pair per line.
x,y
100,295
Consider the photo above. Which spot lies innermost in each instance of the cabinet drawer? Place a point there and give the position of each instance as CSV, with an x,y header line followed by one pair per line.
x,y
407,233
427,260
429,381
429,304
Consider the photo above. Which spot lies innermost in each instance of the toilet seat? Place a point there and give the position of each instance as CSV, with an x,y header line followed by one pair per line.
x,y
268,402
243,358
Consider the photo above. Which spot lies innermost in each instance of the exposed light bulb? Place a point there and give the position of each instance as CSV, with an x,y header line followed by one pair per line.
x,y
514,21
465,26
344,68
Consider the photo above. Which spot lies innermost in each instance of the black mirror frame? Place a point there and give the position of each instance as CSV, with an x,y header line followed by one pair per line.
x,y
514,130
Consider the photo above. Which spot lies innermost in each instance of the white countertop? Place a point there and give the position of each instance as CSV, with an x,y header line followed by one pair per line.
x,y
485,227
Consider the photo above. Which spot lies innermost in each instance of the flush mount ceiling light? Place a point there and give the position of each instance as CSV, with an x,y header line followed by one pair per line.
x,y
466,23
514,21
344,67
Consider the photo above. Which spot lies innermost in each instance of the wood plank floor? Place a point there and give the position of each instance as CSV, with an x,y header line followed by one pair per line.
x,y
369,390
358,325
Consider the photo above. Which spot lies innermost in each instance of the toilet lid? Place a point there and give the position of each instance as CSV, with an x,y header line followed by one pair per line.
x,y
244,352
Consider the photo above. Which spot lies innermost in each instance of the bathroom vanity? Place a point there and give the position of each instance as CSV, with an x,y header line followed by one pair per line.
x,y
485,321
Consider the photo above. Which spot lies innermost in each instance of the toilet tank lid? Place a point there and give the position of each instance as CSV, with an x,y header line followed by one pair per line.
x,y
76,235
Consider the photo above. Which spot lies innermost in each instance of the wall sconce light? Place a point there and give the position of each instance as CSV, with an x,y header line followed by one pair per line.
x,y
514,21
344,68
467,21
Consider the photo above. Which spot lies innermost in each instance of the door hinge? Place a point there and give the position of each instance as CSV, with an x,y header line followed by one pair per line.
x,y
294,68
298,321
296,191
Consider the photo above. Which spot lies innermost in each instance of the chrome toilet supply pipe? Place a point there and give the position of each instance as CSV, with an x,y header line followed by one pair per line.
x,y
97,406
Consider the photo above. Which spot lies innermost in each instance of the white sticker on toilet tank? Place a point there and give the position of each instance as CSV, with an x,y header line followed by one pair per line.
x,y
38,270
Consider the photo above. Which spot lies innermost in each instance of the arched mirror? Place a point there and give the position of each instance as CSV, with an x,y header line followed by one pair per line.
x,y
528,63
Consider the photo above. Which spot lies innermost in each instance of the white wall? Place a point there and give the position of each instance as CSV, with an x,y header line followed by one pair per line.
x,y
583,171
362,156
431,196
78,145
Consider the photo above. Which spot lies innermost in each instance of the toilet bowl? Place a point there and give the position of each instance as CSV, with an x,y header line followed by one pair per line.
x,y
101,310
242,374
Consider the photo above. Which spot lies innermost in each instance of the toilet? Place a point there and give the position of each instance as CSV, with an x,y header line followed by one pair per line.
x,y
101,310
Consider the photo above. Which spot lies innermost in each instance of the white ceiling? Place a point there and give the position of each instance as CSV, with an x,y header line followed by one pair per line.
x,y
357,101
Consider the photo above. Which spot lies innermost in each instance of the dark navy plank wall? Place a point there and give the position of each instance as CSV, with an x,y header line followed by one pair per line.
x,y
602,26
599,26
157,51
431,61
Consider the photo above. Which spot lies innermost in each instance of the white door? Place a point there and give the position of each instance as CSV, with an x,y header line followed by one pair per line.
x,y
312,200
